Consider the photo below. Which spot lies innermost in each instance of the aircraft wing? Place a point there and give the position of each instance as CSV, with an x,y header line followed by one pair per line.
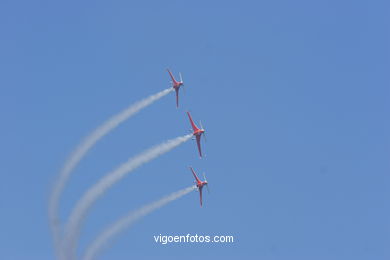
x,y
194,127
198,143
196,177
177,97
170,74
200,195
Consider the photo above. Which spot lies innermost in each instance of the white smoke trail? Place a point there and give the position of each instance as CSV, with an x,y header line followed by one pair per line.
x,y
101,241
80,152
72,228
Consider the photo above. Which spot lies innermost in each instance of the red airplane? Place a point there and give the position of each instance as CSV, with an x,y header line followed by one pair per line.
x,y
200,184
197,132
176,85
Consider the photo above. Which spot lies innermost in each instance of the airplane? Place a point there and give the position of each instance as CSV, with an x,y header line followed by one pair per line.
x,y
176,85
197,132
200,184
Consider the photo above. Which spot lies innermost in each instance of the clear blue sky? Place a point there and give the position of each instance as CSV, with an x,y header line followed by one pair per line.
x,y
294,96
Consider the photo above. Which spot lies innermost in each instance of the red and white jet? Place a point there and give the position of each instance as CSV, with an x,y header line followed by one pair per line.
x,y
197,132
176,85
200,184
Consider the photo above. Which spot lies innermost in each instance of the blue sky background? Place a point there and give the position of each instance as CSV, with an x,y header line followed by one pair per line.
x,y
294,96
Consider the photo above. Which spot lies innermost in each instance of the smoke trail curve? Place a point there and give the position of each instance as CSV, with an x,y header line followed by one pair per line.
x,y
82,150
79,212
108,234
